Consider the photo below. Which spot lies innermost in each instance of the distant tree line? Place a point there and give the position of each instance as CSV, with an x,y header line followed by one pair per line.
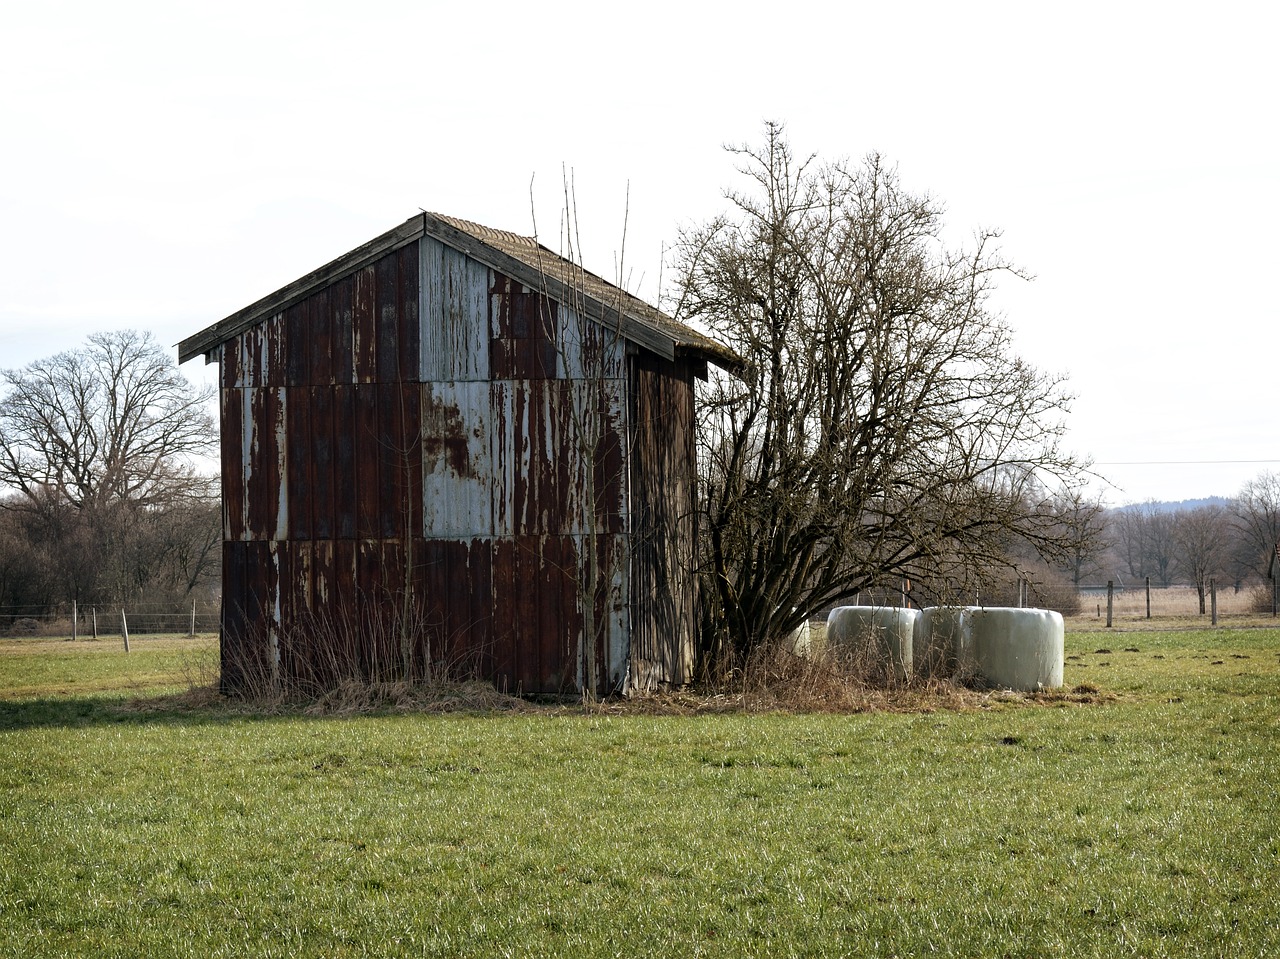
x,y
1230,542
101,499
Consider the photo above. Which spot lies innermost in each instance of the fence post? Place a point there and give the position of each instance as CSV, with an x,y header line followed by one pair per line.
x,y
1213,602
74,614
1110,595
124,629
94,610
192,632
1148,597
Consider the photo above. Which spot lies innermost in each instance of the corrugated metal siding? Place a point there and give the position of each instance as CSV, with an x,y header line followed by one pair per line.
x,y
423,463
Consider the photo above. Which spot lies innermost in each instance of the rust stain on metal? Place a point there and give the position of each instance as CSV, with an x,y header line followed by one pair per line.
x,y
445,437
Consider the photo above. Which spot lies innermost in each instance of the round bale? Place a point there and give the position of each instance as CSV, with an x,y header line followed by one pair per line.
x,y
936,646
1010,648
800,641
879,635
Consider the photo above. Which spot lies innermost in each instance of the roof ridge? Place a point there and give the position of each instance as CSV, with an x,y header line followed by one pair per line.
x,y
487,233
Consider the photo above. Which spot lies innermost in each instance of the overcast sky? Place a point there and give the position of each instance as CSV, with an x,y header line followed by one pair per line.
x,y
165,164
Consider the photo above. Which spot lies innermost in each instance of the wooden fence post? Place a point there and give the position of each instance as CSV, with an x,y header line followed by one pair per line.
x,y
94,610
192,632
1110,599
74,616
124,628
1213,602
1148,597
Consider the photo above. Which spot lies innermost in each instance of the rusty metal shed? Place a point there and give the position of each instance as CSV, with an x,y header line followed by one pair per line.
x,y
452,449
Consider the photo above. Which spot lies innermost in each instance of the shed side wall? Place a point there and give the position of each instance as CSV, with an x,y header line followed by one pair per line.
x,y
421,462
664,522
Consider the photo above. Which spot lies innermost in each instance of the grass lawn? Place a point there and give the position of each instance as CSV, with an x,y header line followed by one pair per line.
x,y
1144,825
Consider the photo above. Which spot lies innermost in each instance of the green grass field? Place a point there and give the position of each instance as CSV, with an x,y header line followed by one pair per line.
x,y
1144,825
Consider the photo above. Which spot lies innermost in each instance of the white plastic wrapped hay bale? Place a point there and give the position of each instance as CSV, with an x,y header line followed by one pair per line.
x,y
936,646
882,634
800,640
1022,649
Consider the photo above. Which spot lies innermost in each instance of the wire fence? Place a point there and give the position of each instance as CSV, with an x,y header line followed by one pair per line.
x,y
1137,600
85,621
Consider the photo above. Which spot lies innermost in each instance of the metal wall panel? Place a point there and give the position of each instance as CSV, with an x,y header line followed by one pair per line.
x,y
454,311
457,464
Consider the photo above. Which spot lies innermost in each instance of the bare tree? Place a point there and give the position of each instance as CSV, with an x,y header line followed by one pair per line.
x,y
1081,521
112,421
1144,536
97,447
1255,516
1202,539
883,426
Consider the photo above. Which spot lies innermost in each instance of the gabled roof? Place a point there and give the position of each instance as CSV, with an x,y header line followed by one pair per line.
x,y
520,257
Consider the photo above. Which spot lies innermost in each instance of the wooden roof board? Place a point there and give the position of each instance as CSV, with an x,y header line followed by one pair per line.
x,y
520,257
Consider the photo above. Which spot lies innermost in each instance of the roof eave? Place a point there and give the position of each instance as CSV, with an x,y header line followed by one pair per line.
x,y
214,336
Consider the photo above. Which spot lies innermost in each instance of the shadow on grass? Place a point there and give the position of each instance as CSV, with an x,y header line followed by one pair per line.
x,y
70,712
203,705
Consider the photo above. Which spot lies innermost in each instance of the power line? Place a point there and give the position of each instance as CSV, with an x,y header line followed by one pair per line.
x,y
1184,462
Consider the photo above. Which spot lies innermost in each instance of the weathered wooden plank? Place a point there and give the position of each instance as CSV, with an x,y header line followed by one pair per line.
x,y
504,464
503,615
289,599
457,316
393,461
319,331
342,622
407,298
346,488
260,498
410,445
454,311
373,615
342,318
531,594
263,475
231,403
232,634
662,523
229,358
299,477
433,348
365,325
298,340
567,624
465,317
319,440
387,308
367,447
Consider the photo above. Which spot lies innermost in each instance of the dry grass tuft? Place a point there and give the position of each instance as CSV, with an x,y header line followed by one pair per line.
x,y
354,697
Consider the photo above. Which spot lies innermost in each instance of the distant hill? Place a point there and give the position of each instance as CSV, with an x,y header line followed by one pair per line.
x,y
1169,506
